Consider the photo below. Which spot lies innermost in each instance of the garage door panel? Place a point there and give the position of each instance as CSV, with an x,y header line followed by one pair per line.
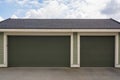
x,y
39,51
97,51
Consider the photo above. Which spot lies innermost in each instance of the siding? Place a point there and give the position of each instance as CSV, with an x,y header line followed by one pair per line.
x,y
75,58
1,48
119,50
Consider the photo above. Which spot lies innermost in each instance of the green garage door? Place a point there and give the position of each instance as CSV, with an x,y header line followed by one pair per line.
x,y
97,51
39,51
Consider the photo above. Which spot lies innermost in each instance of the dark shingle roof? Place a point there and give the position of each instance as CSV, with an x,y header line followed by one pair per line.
x,y
59,24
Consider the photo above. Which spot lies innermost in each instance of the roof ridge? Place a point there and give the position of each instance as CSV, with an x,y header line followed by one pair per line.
x,y
5,20
58,19
114,20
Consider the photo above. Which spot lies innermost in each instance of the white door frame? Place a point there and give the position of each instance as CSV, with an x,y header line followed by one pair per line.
x,y
6,34
101,34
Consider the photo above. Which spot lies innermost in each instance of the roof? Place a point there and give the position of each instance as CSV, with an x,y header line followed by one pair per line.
x,y
59,24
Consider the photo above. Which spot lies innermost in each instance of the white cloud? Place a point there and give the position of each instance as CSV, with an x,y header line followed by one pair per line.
x,y
118,1
70,9
50,10
113,9
14,16
88,8
116,16
1,19
25,3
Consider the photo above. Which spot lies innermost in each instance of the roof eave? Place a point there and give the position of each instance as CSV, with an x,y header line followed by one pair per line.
x,y
59,30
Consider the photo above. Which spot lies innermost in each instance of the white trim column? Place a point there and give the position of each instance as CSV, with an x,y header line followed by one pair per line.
x,y
71,62
75,55
117,65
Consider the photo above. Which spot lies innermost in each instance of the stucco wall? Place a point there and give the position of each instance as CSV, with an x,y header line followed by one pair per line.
x,y
1,48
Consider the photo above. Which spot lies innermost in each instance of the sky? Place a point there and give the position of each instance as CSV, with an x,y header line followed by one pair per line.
x,y
60,9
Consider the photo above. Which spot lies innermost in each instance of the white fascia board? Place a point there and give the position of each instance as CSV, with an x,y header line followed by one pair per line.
x,y
59,30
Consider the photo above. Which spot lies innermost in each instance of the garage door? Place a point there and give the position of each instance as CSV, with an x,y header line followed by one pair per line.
x,y
97,51
39,51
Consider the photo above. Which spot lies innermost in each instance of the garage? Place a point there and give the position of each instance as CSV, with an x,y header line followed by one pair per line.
x,y
97,51
38,51
60,43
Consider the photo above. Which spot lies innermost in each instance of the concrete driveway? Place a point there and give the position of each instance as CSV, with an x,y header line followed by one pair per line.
x,y
37,73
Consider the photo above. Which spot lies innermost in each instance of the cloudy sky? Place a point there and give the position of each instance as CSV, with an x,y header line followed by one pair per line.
x,y
53,9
